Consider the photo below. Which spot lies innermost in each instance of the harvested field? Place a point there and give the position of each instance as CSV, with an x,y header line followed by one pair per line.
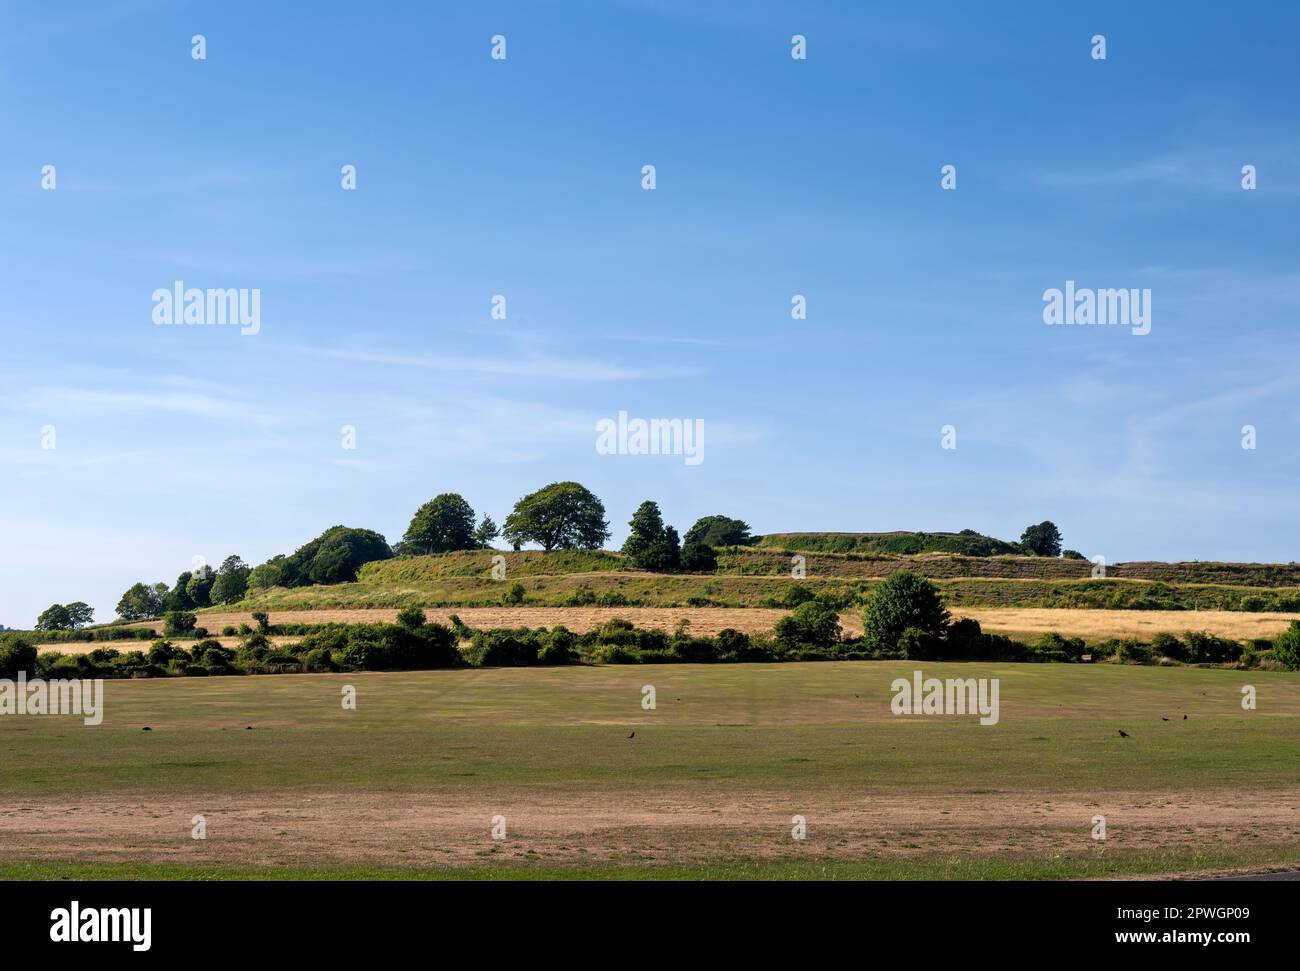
x,y
1029,622
1142,624
710,620
703,620
85,647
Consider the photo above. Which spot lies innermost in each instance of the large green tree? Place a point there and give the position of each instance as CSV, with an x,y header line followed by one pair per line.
x,y
231,583
335,556
80,613
563,516
142,601
199,588
644,529
718,531
904,600
486,532
179,598
54,617
273,573
1043,539
650,544
443,524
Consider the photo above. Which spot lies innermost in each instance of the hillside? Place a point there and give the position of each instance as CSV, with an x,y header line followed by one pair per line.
x,y
967,542
760,577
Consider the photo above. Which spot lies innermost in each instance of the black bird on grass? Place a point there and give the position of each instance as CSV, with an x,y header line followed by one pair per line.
x,y
146,729
1163,718
633,735
1123,734
1184,718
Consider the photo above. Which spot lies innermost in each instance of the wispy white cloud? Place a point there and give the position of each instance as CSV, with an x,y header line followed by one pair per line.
x,y
61,399
1195,170
540,367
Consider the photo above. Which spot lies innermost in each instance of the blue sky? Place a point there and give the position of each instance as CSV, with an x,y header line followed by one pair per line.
x,y
523,177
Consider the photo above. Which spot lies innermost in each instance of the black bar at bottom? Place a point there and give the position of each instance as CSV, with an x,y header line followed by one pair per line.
x,y
332,920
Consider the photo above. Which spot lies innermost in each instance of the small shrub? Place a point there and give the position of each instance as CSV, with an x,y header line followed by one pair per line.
x,y
919,645
584,596
1055,647
811,624
503,648
178,623
698,558
962,639
161,652
1133,652
1286,647
1209,649
693,649
16,654
318,659
796,595
412,618
561,647
1167,645
614,654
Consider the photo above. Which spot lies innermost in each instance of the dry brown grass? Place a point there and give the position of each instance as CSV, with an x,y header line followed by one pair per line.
x,y
703,620
85,647
1029,622
1142,624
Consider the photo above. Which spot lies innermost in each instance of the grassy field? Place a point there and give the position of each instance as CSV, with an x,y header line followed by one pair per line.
x,y
291,785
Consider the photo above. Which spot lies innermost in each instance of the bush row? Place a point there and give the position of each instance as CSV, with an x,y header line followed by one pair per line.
x,y
811,633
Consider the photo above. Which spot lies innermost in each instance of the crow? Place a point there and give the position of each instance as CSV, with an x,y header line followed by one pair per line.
x,y
1123,734
1163,718
248,728
146,729
1184,718
633,735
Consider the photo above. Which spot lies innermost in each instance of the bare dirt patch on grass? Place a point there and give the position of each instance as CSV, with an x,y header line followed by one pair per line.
x,y
680,825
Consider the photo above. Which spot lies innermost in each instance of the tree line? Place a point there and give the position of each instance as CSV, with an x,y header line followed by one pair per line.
x,y
559,516
904,619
